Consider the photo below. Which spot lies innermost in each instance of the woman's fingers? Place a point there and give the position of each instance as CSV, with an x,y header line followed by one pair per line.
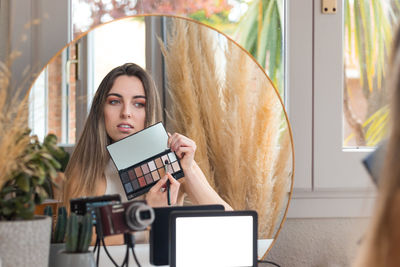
x,y
172,180
182,151
169,140
157,197
173,189
174,184
157,187
184,148
177,140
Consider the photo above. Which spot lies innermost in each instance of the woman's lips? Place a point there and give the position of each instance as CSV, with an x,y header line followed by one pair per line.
x,y
124,127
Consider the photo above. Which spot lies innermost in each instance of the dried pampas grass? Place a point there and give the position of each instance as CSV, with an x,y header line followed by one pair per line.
x,y
13,123
224,101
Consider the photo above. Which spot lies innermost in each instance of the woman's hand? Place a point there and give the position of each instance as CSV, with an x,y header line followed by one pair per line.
x,y
195,185
158,195
184,148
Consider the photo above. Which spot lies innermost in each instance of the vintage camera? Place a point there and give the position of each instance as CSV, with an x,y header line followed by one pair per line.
x,y
124,217
81,206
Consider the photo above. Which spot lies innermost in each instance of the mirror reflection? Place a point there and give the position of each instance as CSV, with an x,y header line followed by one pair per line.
x,y
211,91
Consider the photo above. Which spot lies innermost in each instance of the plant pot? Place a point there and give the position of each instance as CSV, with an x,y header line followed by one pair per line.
x,y
84,259
25,242
54,249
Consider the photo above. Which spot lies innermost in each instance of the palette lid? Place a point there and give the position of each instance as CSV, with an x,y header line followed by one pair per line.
x,y
139,146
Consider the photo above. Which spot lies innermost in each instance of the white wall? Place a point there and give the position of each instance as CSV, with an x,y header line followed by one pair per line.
x,y
318,242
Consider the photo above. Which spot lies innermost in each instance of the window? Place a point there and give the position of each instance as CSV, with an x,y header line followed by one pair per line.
x,y
334,166
326,173
368,35
52,99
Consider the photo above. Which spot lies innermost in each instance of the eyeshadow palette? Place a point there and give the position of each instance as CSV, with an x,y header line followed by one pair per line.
x,y
142,158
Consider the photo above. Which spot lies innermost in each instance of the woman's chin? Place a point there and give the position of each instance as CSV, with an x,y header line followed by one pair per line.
x,y
120,136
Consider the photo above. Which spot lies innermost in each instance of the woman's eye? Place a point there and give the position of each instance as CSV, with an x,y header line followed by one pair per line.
x,y
114,101
139,105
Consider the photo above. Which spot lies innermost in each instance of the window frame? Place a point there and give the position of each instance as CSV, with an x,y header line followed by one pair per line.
x,y
326,175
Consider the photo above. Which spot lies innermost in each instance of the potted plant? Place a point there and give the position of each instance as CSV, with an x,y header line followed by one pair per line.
x,y
58,232
78,238
25,181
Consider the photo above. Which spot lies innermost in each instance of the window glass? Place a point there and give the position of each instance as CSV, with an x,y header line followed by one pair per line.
x,y
38,106
52,107
369,26
115,44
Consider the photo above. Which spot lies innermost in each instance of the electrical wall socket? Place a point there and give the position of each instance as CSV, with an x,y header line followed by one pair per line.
x,y
329,6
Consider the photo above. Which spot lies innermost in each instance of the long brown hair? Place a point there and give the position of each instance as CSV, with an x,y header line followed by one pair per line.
x,y
382,242
90,156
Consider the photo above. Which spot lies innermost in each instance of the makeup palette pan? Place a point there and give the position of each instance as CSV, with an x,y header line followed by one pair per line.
x,y
141,158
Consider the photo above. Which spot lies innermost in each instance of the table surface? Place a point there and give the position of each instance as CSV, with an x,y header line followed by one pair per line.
x,y
142,253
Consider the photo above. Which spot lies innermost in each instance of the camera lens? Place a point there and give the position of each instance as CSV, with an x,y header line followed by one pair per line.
x,y
144,215
138,216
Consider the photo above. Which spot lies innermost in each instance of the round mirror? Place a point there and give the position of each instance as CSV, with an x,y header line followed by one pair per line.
x,y
211,90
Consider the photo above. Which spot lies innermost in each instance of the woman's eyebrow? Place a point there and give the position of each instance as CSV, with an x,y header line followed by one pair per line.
x,y
120,96
114,94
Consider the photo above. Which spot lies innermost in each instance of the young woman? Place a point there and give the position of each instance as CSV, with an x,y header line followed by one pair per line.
x,y
127,102
381,245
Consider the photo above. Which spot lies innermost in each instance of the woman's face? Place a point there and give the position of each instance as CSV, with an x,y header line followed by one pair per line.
x,y
124,110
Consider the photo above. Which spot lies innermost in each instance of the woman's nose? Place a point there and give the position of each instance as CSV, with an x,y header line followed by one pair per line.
x,y
126,111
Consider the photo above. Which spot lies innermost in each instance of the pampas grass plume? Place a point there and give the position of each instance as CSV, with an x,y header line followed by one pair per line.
x,y
224,102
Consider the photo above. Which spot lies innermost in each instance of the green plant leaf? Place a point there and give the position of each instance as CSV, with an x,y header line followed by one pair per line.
x,y
5,210
40,172
6,190
275,44
23,182
348,22
31,183
50,169
50,140
47,186
263,36
27,212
